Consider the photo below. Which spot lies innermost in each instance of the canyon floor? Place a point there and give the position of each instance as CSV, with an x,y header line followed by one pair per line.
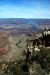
x,y
11,47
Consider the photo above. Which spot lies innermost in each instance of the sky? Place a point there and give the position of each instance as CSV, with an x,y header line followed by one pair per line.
x,y
25,9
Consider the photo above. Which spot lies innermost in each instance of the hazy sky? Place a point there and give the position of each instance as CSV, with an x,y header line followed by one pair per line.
x,y
24,8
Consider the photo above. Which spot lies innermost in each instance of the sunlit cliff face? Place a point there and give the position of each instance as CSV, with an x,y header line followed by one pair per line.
x,y
4,43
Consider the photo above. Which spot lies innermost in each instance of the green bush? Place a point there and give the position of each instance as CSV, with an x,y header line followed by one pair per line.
x,y
43,58
14,69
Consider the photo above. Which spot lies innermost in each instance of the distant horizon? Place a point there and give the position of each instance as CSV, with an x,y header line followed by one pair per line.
x,y
24,18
